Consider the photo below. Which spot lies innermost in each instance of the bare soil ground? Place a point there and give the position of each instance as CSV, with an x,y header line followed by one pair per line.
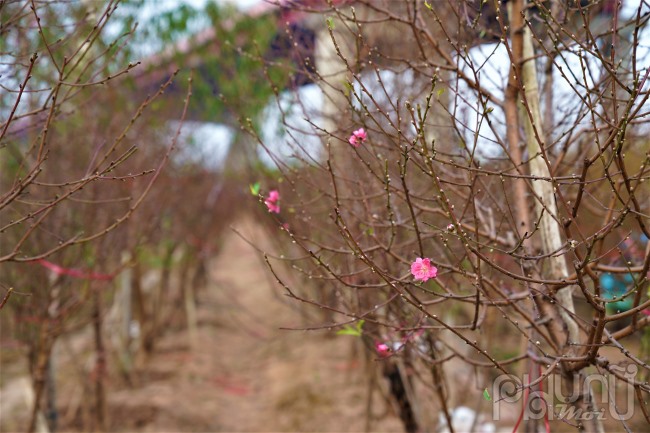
x,y
241,372
245,373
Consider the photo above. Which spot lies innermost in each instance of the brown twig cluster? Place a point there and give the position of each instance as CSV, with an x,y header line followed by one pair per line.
x,y
88,206
524,188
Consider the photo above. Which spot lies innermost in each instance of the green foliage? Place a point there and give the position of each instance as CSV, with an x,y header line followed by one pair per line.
x,y
355,330
175,24
236,69
255,188
225,51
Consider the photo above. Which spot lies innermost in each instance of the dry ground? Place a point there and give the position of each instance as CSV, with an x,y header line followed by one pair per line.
x,y
243,373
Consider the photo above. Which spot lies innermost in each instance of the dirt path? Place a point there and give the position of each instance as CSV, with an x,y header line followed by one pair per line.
x,y
246,374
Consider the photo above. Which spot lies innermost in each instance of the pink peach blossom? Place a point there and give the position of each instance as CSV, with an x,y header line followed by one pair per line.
x,y
382,349
274,196
272,207
358,137
271,201
422,269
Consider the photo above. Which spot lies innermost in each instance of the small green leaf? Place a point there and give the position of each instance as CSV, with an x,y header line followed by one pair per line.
x,y
355,330
348,88
349,331
255,188
330,23
428,5
441,91
486,395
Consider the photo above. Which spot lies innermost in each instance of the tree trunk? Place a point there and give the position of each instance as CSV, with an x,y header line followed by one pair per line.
x,y
562,327
100,364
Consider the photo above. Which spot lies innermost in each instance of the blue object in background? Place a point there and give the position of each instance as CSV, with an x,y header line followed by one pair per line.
x,y
614,287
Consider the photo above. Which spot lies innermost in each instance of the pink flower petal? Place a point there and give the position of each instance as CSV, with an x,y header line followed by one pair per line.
x,y
272,206
358,137
423,270
382,349
274,196
271,201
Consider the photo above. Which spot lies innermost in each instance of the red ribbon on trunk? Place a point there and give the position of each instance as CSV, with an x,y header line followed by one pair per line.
x,y
76,273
